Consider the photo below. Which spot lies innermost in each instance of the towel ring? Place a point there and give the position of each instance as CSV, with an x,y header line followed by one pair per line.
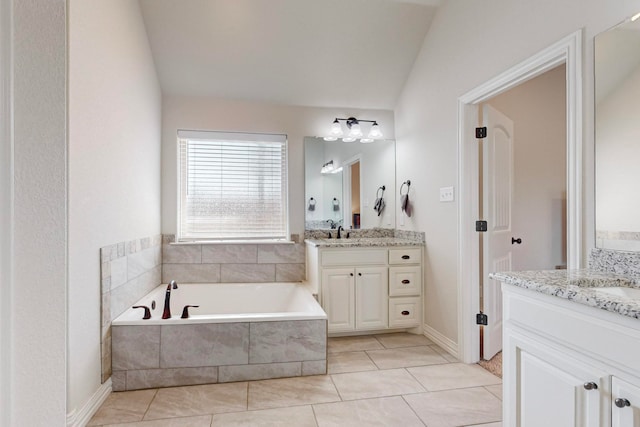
x,y
408,184
336,202
312,202
378,195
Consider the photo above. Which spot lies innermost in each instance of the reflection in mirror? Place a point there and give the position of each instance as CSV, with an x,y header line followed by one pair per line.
x,y
617,113
343,179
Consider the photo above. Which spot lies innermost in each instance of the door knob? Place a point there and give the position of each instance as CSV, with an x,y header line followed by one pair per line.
x,y
514,240
590,386
621,403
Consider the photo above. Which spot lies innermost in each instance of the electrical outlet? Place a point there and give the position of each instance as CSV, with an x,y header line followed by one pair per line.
x,y
446,194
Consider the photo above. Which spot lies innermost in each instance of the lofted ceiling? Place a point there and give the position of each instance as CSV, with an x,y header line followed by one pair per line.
x,y
323,53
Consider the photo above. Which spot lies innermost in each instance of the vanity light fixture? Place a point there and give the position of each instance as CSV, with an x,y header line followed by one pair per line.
x,y
354,131
329,167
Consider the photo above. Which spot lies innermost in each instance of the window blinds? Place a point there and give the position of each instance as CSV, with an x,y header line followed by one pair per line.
x,y
233,186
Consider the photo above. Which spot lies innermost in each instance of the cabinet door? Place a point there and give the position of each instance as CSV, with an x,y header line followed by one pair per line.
x,y
625,410
372,298
338,298
548,388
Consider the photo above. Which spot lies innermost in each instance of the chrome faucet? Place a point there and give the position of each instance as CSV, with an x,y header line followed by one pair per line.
x,y
332,223
166,314
339,229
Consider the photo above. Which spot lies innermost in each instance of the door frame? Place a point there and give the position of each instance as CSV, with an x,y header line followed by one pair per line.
x,y
566,51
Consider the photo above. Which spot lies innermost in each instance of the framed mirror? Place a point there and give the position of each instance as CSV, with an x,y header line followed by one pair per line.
x,y
349,184
617,136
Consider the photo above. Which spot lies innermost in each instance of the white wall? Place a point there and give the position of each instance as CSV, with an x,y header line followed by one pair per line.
x,y
618,154
468,44
114,163
240,116
34,162
538,111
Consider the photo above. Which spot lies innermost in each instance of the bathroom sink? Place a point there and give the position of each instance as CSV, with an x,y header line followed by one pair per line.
x,y
633,293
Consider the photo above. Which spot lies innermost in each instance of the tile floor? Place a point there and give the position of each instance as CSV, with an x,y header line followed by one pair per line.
x,y
382,380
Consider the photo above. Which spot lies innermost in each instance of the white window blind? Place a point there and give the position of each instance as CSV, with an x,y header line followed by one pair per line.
x,y
233,186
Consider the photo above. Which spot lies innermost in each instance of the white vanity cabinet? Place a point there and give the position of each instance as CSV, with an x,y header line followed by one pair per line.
x,y
367,288
566,364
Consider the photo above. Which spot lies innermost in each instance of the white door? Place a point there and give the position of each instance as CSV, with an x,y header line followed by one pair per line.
x,y
625,409
338,298
497,199
372,298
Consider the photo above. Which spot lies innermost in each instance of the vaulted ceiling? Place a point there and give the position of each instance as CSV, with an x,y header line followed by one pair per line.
x,y
338,53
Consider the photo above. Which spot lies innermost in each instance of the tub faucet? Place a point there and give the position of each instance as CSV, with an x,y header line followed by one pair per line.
x,y
339,229
166,314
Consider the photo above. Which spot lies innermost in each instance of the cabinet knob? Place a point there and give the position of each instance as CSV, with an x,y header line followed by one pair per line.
x,y
350,274
359,274
621,403
590,386
406,281
406,257
405,312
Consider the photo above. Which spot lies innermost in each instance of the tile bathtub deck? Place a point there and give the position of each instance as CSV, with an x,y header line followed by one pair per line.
x,y
379,380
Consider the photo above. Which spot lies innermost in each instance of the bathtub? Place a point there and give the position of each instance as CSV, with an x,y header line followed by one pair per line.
x,y
240,332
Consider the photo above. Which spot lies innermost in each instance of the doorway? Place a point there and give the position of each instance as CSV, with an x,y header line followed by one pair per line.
x,y
351,191
522,185
566,51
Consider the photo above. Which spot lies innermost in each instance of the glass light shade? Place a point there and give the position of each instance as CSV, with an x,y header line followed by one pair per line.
x,y
375,131
366,140
330,138
348,139
355,131
336,129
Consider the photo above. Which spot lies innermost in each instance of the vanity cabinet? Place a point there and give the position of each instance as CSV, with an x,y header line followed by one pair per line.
x,y
568,365
367,289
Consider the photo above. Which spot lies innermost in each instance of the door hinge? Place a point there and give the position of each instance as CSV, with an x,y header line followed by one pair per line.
x,y
481,132
481,226
481,319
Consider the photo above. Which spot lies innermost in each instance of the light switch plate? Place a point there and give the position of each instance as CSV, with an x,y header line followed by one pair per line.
x,y
446,194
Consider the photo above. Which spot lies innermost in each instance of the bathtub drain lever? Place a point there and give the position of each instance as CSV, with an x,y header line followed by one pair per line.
x,y
185,311
147,312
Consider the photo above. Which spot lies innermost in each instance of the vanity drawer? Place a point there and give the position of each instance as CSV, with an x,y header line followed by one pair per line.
x,y
354,257
405,256
406,280
404,312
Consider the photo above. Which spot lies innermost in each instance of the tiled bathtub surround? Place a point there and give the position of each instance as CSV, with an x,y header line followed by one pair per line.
x,y
230,263
618,262
152,356
129,270
618,240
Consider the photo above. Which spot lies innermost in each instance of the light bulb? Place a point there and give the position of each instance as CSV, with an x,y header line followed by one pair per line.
x,y
355,131
336,129
375,131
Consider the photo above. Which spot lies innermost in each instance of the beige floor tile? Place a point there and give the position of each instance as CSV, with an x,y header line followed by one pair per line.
x,y
403,340
383,412
496,390
291,391
123,407
442,352
362,385
453,375
351,361
359,343
200,421
297,416
405,357
198,400
456,407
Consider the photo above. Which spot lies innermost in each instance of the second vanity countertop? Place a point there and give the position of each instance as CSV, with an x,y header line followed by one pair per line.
x,y
587,287
362,242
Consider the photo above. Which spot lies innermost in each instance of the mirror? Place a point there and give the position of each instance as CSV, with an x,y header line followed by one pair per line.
x,y
344,180
617,136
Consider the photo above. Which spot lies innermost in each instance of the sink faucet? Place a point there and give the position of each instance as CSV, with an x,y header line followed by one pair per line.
x,y
166,314
332,223
339,229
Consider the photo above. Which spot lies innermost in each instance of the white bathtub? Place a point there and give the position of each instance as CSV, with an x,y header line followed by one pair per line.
x,y
227,302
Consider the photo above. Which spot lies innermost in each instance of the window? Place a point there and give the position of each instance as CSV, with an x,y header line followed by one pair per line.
x,y
232,186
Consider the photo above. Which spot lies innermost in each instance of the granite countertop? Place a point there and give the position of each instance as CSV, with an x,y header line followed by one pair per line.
x,y
363,242
581,286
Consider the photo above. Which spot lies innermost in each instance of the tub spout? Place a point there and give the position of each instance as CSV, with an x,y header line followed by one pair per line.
x,y
166,313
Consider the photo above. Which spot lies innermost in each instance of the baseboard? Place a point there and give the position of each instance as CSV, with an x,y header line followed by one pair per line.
x,y
445,343
81,417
